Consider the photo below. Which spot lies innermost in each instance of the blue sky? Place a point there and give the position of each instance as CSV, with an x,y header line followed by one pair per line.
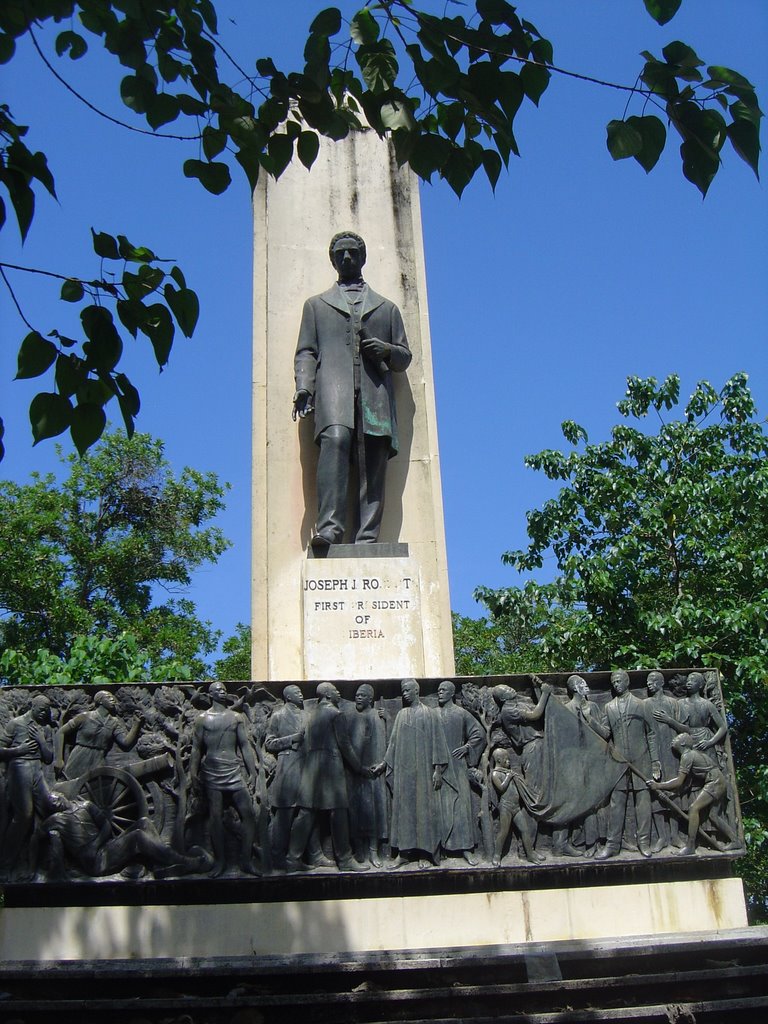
x,y
543,298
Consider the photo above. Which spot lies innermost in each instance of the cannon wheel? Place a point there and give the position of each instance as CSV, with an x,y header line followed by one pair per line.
x,y
117,794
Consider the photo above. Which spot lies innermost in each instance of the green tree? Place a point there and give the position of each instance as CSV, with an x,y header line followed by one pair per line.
x,y
92,555
236,663
446,83
660,542
493,647
91,660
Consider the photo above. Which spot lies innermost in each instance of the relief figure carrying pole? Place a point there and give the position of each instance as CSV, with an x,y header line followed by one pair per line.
x,y
351,341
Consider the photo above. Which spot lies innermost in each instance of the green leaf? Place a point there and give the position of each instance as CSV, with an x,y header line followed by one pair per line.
x,y
541,51
744,136
450,117
159,328
87,425
50,415
327,22
185,306
280,149
134,253
378,65
22,197
534,79
178,276
722,74
397,113
71,41
699,165
71,373
429,154
191,105
511,93
7,50
35,356
128,394
653,135
307,148
95,392
492,166
662,11
214,141
137,93
72,290
104,347
105,245
163,109
623,140
31,165
208,12
364,28
214,177
250,162
497,12
682,55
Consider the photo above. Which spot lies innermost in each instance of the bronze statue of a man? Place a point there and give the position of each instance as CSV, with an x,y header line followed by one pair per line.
x,y
350,342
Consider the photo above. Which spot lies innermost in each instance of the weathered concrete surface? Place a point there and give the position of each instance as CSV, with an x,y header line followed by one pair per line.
x,y
339,926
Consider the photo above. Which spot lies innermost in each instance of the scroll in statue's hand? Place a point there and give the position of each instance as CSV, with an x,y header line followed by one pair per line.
x,y
377,351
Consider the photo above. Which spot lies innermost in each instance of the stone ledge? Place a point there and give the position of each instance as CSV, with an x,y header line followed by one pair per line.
x,y
386,924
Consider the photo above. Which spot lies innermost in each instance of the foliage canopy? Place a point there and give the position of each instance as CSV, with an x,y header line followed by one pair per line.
x,y
445,81
87,556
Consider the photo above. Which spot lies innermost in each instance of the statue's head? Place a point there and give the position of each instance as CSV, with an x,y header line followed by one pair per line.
x,y
218,692
683,741
503,693
577,684
105,699
40,708
364,697
620,681
445,692
329,692
293,695
501,757
409,688
695,683
348,254
654,682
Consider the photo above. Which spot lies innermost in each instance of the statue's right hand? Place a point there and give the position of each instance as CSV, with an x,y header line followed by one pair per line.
x,y
302,405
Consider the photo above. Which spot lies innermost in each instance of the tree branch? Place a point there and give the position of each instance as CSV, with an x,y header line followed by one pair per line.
x,y
101,113
13,296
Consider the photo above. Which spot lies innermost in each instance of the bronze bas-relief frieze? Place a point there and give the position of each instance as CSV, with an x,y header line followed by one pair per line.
x,y
247,780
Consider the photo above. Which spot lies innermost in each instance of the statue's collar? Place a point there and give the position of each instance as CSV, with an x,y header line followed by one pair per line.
x,y
335,297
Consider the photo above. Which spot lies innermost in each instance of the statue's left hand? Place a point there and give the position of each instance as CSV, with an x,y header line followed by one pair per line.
x,y
302,405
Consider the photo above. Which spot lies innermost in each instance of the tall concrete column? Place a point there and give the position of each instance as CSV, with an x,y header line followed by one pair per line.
x,y
354,185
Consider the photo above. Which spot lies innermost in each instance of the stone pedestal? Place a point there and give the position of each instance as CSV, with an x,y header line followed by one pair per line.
x,y
354,185
362,617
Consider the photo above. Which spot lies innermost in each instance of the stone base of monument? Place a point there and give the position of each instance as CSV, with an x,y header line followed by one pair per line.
x,y
318,919
688,978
